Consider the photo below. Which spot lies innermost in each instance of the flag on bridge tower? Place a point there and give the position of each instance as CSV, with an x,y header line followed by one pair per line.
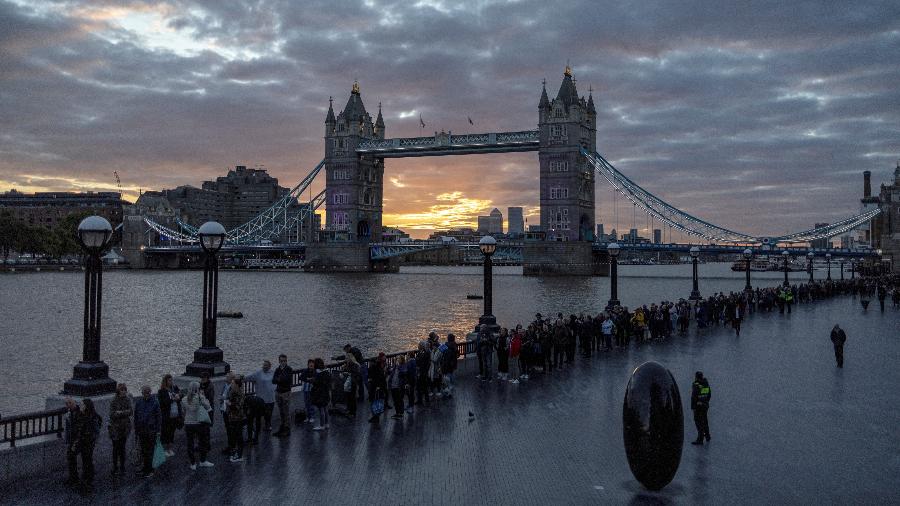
x,y
470,120
421,122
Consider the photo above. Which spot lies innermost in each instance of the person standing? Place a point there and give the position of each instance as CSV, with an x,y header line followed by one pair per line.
x,y
700,396
265,390
352,370
378,381
321,393
208,391
307,378
423,364
196,428
838,338
449,362
147,421
362,376
255,411
503,354
120,412
88,430
170,407
396,383
283,379
235,419
607,328
72,423
223,408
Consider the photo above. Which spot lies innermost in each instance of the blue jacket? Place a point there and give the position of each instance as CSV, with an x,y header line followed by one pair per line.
x,y
146,414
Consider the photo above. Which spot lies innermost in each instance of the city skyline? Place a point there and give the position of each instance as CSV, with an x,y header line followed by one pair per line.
x,y
762,118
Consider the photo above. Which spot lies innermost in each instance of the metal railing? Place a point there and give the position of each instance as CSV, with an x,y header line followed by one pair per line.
x,y
31,425
463,348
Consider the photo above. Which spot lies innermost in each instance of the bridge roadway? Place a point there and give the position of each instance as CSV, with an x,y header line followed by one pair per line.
x,y
380,251
788,427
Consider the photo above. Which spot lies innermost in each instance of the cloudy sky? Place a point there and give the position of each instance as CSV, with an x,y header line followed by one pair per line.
x,y
759,116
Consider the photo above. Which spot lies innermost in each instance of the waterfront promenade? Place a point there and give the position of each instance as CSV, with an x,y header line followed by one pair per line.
x,y
787,427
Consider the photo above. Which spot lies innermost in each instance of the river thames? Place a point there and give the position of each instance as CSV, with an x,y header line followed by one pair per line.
x,y
151,319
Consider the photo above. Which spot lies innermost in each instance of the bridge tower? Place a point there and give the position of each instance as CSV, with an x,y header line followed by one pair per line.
x,y
353,184
566,124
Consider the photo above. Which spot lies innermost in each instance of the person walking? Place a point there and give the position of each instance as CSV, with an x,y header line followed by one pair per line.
x,y
321,393
235,418
196,425
700,397
147,422
120,412
838,338
265,390
283,379
170,407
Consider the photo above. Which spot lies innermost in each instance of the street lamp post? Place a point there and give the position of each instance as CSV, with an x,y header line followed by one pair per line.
x,y
785,255
748,254
488,245
695,293
842,269
209,357
613,250
91,375
828,261
852,269
809,265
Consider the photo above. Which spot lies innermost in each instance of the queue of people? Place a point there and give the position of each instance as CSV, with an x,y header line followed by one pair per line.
x,y
405,381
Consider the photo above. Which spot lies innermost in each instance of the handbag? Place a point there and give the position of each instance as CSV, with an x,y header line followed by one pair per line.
x,y
348,384
203,415
159,454
377,407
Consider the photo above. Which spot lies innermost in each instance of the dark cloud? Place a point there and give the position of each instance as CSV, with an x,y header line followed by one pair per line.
x,y
756,115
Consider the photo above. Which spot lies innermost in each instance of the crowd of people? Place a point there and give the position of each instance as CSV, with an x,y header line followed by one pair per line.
x,y
246,404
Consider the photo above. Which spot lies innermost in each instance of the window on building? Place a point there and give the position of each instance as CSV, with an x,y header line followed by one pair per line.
x,y
557,131
559,166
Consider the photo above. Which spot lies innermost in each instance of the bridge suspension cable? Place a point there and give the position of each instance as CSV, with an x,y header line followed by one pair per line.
x,y
659,208
267,225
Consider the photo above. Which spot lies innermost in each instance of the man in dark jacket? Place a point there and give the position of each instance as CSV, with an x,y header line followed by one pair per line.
x,y
838,338
283,379
700,396
147,421
449,360
72,423
363,371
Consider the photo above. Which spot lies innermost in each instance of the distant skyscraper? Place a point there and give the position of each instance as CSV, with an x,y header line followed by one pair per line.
x,y
657,236
632,235
515,221
821,243
600,233
491,224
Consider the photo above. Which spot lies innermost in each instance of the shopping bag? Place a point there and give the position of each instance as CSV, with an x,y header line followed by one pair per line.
x,y
159,454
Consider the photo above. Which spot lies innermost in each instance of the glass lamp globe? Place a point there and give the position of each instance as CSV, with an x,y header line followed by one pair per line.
x,y
613,249
695,251
94,232
487,245
212,236
747,254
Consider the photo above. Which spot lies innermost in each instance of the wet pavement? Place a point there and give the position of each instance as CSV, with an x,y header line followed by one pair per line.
x,y
787,427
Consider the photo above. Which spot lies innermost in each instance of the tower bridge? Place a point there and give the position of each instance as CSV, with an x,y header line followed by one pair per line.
x,y
356,147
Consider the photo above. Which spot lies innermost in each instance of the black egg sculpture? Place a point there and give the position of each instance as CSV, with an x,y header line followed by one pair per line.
x,y
653,425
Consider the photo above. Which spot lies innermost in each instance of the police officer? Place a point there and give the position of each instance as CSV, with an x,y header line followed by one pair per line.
x,y
700,396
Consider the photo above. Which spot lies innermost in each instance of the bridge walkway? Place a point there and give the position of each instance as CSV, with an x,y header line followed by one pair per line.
x,y
788,427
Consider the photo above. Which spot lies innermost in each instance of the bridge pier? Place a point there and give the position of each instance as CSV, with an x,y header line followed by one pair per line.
x,y
345,257
567,258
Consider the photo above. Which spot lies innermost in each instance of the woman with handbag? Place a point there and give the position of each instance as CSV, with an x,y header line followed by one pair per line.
x,y
196,424
321,393
120,411
170,410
